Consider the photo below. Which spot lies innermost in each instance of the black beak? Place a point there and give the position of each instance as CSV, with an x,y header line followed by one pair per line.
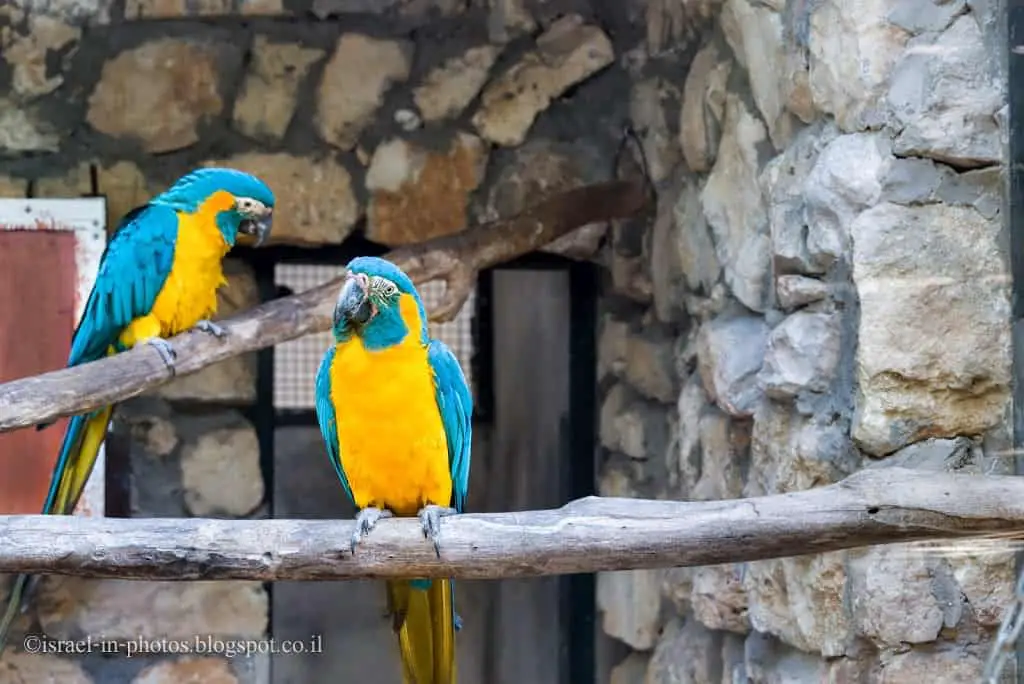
x,y
353,301
258,228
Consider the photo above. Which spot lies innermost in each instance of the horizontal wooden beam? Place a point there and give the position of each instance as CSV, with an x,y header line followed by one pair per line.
x,y
456,259
874,506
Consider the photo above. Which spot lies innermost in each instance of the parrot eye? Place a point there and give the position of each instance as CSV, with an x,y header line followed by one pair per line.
x,y
384,286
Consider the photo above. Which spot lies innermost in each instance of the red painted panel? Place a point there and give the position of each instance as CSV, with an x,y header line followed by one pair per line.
x,y
37,318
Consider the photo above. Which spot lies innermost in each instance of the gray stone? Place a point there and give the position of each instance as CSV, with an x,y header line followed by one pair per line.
x,y
851,51
37,668
944,95
630,602
923,374
794,291
892,597
769,662
693,244
448,89
703,107
221,473
802,355
725,451
718,598
790,452
951,663
846,179
649,104
735,209
567,53
913,181
801,600
687,653
783,182
778,76
631,670
734,666
730,353
920,16
632,427
958,454
684,465
508,19
668,279
982,189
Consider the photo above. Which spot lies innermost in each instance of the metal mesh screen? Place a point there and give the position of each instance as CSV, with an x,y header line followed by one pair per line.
x,y
296,361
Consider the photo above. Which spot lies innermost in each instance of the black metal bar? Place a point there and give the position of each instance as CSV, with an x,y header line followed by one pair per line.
x,y
1015,227
333,255
482,359
581,588
117,475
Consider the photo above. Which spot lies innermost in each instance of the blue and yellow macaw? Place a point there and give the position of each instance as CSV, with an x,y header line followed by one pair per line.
x,y
394,410
158,277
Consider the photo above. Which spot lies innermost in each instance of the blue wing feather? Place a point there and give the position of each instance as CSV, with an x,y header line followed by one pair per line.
x,y
132,271
325,416
455,403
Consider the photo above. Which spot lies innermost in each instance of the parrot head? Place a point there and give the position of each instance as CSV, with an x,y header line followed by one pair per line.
x,y
245,203
379,303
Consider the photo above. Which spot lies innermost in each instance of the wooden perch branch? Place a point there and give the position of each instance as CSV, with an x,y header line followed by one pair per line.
x,y
876,506
455,259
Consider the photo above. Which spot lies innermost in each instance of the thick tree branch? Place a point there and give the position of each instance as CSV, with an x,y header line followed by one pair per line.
x,y
455,258
875,506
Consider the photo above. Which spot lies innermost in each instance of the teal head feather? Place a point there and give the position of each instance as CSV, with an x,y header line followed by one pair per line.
x,y
368,304
251,214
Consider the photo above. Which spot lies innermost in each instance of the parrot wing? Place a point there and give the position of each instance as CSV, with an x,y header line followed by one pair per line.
x,y
325,416
455,402
133,270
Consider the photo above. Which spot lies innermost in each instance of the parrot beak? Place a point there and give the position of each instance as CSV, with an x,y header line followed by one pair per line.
x,y
258,227
354,303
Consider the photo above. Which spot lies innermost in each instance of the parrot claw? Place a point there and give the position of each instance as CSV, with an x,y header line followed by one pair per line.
x,y
366,520
212,328
165,350
430,518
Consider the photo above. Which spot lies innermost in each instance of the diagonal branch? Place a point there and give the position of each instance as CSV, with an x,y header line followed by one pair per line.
x,y
874,506
455,258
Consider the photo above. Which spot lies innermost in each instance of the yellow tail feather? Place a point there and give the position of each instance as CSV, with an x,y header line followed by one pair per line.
x,y
424,622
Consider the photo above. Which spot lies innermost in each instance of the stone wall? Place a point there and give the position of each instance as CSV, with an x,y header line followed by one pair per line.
x,y
823,287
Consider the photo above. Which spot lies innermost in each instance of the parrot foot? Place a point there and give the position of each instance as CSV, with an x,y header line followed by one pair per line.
x,y
165,350
430,518
208,326
366,520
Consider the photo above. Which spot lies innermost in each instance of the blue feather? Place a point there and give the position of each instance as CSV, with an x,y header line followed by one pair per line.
x,y
455,403
326,418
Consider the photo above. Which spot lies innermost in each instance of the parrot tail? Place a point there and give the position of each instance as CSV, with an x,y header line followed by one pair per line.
x,y
82,440
423,616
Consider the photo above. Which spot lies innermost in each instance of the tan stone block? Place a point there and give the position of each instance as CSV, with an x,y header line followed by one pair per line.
x,y
11,187
354,82
221,473
418,194
567,53
232,380
448,89
27,54
188,671
71,607
76,182
125,187
257,8
267,102
315,200
33,668
22,129
158,93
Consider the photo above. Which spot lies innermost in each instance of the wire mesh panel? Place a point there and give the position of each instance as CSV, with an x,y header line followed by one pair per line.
x,y
296,361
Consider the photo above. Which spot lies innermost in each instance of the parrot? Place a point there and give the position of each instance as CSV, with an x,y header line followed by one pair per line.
x,y
157,278
395,412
